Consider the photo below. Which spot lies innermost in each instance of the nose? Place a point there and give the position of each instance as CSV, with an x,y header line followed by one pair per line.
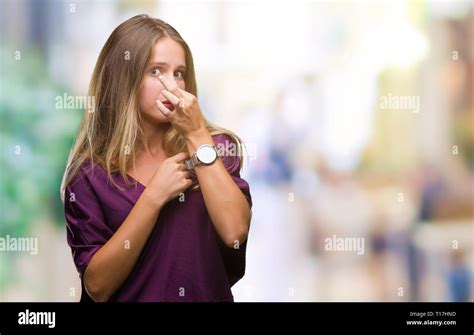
x,y
169,75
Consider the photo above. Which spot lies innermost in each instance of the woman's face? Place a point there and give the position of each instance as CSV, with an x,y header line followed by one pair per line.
x,y
168,58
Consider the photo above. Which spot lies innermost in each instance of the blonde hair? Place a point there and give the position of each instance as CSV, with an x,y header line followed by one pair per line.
x,y
109,133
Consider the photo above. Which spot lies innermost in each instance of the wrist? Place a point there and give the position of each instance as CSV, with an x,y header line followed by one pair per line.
x,y
153,200
197,138
196,133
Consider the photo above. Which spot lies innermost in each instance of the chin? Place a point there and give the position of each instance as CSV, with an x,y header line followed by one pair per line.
x,y
161,119
156,118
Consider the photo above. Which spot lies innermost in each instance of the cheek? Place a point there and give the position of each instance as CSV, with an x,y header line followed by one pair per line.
x,y
150,91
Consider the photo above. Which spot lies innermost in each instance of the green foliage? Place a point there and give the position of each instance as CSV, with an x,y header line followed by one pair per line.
x,y
35,138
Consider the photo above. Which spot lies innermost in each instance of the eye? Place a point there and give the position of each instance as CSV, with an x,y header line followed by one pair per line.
x,y
155,71
180,74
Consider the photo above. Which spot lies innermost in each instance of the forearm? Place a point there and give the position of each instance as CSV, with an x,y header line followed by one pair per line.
x,y
114,261
226,204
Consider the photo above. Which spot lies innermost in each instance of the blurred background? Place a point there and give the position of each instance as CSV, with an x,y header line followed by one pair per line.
x,y
358,123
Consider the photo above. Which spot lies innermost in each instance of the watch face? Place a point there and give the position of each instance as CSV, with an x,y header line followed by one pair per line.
x,y
206,154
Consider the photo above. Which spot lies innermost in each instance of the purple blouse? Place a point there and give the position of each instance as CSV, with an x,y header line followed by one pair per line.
x,y
183,260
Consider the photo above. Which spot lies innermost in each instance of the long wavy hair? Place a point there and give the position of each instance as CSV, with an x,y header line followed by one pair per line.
x,y
109,133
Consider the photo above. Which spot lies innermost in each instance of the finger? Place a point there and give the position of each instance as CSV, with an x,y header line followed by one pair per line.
x,y
182,167
170,86
185,174
162,108
189,182
189,98
177,102
185,94
179,157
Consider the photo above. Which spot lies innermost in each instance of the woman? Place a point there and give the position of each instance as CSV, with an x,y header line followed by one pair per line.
x,y
137,229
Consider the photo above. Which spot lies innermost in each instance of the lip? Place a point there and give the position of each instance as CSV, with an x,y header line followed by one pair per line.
x,y
168,105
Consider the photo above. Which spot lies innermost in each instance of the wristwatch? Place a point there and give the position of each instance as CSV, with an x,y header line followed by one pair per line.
x,y
206,154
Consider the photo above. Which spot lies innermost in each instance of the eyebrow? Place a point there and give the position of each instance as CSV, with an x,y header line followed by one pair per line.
x,y
166,64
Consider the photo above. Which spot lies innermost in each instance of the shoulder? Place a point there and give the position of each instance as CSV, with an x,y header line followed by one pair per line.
x,y
222,138
83,206
89,178
229,151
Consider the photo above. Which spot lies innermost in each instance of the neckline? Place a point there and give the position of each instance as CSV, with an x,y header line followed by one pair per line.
x,y
136,181
118,175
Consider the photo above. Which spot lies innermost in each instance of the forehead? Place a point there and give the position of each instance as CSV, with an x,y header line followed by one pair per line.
x,y
169,51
